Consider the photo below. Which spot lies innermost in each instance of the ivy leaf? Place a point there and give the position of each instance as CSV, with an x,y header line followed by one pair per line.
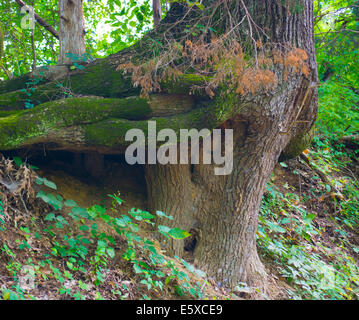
x,y
18,161
164,229
70,203
110,252
274,227
84,228
200,273
178,234
82,212
49,184
309,217
141,215
163,215
39,181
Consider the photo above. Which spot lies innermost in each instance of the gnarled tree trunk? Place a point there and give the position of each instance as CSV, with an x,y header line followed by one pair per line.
x,y
222,209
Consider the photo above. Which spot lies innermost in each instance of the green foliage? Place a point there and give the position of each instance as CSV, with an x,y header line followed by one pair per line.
x,y
110,26
338,109
17,54
87,242
337,42
128,22
287,231
287,240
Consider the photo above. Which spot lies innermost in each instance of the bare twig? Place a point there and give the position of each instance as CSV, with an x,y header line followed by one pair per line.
x,y
249,19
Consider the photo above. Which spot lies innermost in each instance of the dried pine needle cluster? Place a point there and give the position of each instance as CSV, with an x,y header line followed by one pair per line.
x,y
235,60
294,60
17,194
220,63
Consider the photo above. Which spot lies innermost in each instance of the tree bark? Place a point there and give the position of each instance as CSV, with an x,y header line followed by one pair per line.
x,y
71,31
90,123
169,190
225,208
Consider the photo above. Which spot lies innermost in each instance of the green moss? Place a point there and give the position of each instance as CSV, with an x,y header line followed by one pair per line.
x,y
14,84
102,79
111,133
184,84
4,114
91,110
19,127
14,130
12,101
15,100
105,121
98,79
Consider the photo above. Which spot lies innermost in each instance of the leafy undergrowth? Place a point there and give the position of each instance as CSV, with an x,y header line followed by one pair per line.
x,y
64,251
51,248
307,237
309,218
309,222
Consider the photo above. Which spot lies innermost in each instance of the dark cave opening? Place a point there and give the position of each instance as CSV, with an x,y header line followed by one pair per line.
x,y
91,168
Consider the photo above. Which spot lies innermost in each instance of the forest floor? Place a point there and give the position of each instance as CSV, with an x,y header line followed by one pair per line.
x,y
53,248
308,234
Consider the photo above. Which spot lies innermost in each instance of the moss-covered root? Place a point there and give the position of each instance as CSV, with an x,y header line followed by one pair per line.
x,y
83,124
98,79
19,128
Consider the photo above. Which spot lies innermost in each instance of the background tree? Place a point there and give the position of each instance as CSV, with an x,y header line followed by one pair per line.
x,y
71,30
156,8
